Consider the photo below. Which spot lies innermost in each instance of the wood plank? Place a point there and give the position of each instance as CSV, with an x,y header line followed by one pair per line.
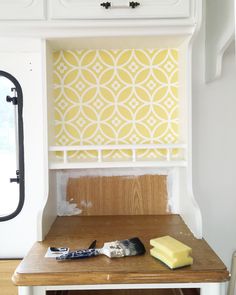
x,y
119,195
7,268
128,292
79,231
190,292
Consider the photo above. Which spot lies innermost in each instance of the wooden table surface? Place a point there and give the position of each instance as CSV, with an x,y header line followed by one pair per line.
x,y
79,231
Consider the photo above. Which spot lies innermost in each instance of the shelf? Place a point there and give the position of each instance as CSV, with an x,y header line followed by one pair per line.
x,y
78,232
81,165
164,155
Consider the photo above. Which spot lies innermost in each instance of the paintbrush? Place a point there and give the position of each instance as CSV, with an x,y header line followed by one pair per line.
x,y
129,247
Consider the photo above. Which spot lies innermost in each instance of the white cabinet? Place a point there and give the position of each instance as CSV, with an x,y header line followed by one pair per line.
x,y
119,9
22,9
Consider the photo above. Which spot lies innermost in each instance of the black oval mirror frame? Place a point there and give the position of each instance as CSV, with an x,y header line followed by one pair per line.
x,y
21,147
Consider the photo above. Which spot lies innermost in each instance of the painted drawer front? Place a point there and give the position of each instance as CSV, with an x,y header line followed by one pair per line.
x,y
21,9
118,9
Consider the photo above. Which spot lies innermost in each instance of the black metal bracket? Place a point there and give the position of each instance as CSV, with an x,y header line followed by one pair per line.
x,y
12,99
106,4
17,179
134,4
19,174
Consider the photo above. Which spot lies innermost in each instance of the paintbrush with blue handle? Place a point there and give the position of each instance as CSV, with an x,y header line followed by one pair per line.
x,y
129,247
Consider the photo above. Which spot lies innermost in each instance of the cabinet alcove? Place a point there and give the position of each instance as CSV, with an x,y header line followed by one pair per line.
x,y
118,123
120,106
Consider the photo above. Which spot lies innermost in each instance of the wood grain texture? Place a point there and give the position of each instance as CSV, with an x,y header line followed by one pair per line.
x,y
7,268
128,292
79,231
119,195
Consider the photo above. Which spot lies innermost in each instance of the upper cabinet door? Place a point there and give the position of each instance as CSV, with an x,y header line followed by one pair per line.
x,y
22,10
118,9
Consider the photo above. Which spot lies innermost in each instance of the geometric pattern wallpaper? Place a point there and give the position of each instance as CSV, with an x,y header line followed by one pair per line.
x,y
124,96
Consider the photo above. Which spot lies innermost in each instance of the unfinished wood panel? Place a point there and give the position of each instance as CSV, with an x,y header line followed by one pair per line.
x,y
7,268
119,195
77,232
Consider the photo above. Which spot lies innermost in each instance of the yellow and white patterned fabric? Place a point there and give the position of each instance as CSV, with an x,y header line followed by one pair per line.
x,y
113,97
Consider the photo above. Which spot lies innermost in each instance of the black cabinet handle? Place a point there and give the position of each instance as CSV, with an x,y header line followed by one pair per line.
x,y
131,4
106,4
134,4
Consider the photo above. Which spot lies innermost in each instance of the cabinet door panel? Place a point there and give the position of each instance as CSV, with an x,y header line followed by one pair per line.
x,y
21,9
119,9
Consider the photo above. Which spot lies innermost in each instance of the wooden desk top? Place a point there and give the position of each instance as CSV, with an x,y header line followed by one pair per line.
x,y
80,231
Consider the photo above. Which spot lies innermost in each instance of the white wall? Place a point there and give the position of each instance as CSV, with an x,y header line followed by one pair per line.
x,y
24,61
214,150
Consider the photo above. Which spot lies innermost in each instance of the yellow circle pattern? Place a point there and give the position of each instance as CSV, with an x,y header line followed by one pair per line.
x,y
107,97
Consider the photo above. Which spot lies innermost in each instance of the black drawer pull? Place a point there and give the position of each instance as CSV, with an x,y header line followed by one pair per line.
x,y
106,4
131,4
134,4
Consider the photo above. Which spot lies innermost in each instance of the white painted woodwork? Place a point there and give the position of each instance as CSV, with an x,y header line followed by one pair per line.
x,y
25,290
231,286
41,181
169,161
74,30
187,205
22,58
219,35
40,208
235,25
159,36
205,288
121,164
48,209
22,10
213,289
184,201
91,9
111,41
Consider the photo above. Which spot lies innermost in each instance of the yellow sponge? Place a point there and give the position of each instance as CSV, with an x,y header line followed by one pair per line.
x,y
170,251
172,262
171,246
